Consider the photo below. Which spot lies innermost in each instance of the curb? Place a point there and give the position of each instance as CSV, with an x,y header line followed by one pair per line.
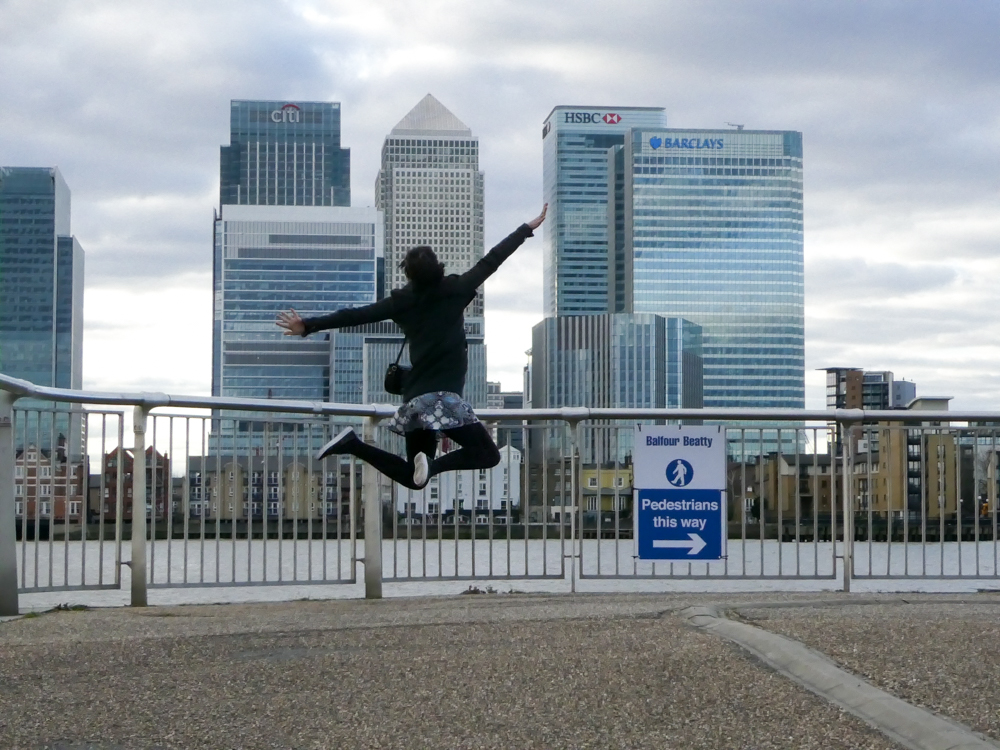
x,y
912,727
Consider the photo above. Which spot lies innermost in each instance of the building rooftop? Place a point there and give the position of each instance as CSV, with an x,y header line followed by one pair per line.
x,y
431,117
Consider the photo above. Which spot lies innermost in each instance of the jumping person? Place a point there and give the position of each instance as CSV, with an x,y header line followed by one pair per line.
x,y
429,310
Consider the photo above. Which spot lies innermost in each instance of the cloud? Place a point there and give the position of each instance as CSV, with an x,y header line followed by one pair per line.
x,y
898,101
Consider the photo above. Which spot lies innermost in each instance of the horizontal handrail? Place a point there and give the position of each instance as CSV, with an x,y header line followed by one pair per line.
x,y
149,400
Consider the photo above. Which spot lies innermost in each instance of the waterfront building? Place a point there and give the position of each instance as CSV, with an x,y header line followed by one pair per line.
x,y
41,295
489,495
713,233
284,154
854,388
430,191
576,183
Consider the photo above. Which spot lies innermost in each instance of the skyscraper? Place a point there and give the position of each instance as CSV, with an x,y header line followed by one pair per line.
x,y
285,154
713,233
269,258
285,237
41,285
576,183
430,190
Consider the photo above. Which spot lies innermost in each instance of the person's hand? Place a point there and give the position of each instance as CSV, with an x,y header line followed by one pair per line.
x,y
537,222
291,322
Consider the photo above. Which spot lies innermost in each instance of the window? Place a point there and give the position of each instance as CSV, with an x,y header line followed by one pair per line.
x,y
591,504
432,507
19,508
74,508
272,509
18,490
19,471
620,482
46,490
591,481
46,508
482,504
46,471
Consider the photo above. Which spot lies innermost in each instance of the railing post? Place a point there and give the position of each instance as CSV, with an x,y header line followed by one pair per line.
x,y
138,563
373,520
8,523
846,489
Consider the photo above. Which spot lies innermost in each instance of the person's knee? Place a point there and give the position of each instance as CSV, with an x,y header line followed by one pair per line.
x,y
492,455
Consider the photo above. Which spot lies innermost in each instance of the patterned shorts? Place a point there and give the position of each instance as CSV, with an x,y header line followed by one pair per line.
x,y
441,410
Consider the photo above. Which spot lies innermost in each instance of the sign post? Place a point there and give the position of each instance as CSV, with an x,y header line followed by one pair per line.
x,y
680,477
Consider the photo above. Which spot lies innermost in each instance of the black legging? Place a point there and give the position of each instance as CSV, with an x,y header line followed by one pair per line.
x,y
478,451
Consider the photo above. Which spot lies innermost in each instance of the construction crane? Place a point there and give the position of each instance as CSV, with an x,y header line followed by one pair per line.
x,y
734,125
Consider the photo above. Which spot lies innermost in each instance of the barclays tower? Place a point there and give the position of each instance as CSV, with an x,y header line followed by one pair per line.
x,y
703,225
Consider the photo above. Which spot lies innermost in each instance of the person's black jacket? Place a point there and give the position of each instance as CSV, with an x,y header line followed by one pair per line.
x,y
432,319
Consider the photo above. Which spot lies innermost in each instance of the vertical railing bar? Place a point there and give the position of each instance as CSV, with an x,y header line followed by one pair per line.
x,y
19,419
373,523
762,508
102,499
296,500
976,505
51,484
816,496
615,440
523,486
37,487
206,496
186,496
924,504
798,433
119,498
780,493
509,498
282,506
168,501
9,595
743,495
151,489
869,489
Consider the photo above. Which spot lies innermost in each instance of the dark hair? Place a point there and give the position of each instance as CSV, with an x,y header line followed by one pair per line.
x,y
421,266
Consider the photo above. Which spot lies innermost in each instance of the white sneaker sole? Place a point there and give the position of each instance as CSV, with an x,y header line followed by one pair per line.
x,y
331,447
420,469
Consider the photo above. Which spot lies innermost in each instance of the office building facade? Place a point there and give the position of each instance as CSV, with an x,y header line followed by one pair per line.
x,y
618,361
430,191
576,183
269,258
41,299
284,154
713,233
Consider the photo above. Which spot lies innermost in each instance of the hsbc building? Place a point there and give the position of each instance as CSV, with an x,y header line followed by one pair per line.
x,y
577,142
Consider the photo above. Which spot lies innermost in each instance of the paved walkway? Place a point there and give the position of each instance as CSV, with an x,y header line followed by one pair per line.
x,y
486,671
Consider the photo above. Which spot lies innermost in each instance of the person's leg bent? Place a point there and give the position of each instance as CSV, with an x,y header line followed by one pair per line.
x,y
394,467
478,450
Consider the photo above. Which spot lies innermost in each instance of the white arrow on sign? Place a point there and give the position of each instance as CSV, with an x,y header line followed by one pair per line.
x,y
696,544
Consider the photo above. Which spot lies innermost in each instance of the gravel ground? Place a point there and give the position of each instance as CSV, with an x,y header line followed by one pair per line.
x,y
465,672
944,656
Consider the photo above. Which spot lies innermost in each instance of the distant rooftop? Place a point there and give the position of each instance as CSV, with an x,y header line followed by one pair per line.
x,y
431,117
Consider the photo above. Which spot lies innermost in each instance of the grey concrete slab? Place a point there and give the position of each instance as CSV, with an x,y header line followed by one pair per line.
x,y
941,655
909,725
469,672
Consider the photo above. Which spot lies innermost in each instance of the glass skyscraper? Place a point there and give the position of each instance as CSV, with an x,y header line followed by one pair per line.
x,y
41,280
576,184
713,233
285,154
270,258
41,291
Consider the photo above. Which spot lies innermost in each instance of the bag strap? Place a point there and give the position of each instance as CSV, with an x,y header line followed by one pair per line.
x,y
401,347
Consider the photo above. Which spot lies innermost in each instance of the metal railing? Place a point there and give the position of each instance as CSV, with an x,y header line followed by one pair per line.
x,y
233,496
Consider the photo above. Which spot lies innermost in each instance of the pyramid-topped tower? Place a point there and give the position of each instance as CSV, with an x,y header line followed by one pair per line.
x,y
430,190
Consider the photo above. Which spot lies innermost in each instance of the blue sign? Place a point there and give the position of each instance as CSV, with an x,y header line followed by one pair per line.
x,y
680,524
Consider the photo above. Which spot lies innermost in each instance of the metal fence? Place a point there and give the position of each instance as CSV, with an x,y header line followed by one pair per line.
x,y
229,493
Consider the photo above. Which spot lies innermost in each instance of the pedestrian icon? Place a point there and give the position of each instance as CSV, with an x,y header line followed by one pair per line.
x,y
679,472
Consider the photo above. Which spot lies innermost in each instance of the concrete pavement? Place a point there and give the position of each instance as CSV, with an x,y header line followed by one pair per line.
x,y
486,671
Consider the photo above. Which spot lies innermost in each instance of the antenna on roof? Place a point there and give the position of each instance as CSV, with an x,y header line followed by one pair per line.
x,y
735,125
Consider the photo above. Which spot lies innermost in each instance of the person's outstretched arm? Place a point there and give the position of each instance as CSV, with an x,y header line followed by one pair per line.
x,y
487,266
349,316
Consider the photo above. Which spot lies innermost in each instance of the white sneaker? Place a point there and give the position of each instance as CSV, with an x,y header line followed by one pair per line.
x,y
420,469
343,438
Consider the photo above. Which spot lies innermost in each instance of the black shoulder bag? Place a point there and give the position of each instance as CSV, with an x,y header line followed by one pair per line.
x,y
395,375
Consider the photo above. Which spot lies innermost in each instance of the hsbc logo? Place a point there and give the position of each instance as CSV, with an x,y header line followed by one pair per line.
x,y
591,118
288,113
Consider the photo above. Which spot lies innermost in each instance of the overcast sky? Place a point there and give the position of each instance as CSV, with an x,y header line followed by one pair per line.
x,y
898,102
